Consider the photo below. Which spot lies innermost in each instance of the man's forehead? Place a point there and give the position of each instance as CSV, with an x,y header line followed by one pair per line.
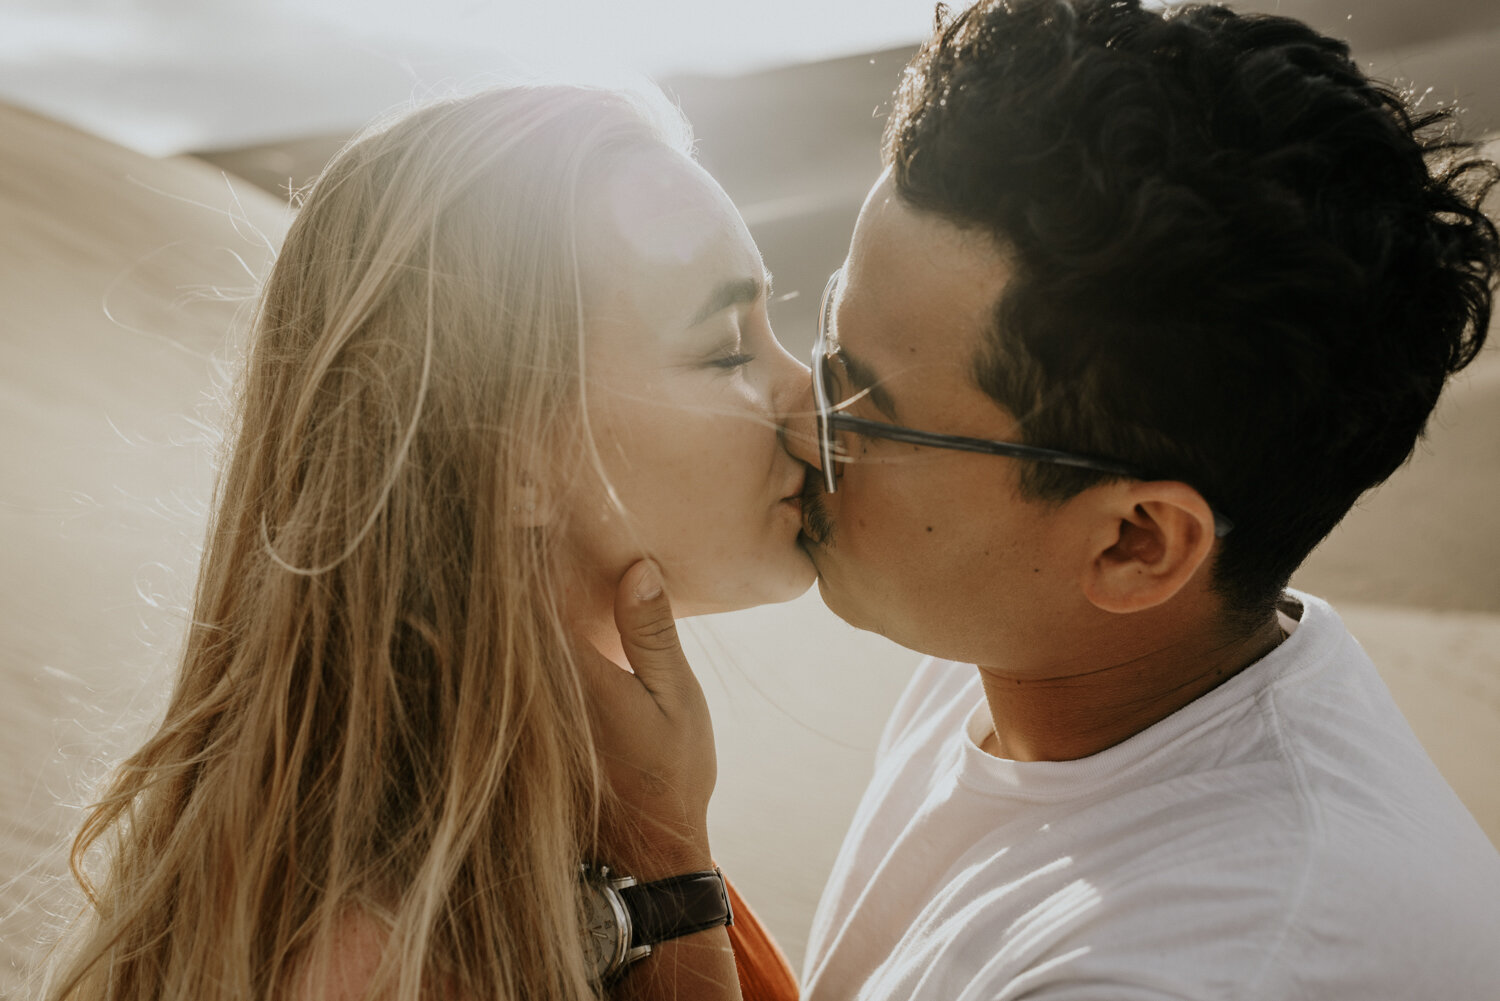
x,y
920,284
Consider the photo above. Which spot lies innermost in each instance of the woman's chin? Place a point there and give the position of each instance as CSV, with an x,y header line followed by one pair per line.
x,y
797,575
769,586
794,588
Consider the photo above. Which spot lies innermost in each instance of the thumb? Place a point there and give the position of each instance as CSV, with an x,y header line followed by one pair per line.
x,y
648,632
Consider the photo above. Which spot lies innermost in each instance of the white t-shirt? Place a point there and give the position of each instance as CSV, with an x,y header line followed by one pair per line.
x,y
1282,837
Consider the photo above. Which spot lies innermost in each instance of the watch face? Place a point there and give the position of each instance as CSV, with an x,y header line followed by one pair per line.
x,y
603,936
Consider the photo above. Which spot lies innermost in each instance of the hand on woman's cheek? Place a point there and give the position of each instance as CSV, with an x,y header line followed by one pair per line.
x,y
654,737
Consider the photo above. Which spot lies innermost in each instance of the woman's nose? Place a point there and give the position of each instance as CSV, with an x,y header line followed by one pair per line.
x,y
796,415
799,424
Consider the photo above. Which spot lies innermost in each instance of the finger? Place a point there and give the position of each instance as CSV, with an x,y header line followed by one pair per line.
x,y
648,632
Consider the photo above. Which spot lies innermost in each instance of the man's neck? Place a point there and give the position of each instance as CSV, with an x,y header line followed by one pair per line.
x,y
1082,708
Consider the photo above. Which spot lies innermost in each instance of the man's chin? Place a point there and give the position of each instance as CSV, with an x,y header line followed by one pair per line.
x,y
834,599
828,587
840,603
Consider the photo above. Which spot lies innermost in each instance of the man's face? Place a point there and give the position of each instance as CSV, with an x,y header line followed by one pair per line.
x,y
933,548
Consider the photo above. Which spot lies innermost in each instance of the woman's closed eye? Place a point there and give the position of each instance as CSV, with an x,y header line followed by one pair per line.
x,y
731,360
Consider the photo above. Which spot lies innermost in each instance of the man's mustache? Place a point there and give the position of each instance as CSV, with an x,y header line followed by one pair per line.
x,y
817,524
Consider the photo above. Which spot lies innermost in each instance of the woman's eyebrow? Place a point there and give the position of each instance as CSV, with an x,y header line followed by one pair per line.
x,y
732,293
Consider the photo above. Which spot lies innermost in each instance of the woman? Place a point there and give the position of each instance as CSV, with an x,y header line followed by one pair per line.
x,y
512,343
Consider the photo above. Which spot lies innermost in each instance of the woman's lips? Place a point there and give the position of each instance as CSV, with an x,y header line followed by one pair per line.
x,y
795,493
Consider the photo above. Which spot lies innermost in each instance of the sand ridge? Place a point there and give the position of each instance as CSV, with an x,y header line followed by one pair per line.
x,y
121,278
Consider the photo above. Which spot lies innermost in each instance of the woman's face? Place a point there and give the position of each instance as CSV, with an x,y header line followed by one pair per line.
x,y
685,384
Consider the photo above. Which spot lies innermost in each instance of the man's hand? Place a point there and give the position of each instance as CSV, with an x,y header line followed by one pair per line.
x,y
656,741
654,737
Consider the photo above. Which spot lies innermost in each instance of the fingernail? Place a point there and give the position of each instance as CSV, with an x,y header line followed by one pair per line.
x,y
648,581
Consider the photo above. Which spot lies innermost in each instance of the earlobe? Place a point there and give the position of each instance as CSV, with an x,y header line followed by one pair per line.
x,y
1157,536
530,505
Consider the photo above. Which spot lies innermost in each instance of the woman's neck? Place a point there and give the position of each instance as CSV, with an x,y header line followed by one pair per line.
x,y
588,605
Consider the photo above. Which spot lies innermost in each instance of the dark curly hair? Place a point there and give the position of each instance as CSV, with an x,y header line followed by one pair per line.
x,y
1238,262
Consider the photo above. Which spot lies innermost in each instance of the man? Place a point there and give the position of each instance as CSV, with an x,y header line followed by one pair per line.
x,y
1211,281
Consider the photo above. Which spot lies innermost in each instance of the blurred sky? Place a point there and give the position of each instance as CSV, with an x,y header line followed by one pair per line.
x,y
168,76
164,76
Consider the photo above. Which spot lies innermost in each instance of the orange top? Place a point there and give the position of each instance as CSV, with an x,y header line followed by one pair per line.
x,y
765,975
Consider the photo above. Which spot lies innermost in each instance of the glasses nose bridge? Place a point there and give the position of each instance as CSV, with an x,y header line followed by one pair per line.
x,y
822,392
820,369
800,428
825,305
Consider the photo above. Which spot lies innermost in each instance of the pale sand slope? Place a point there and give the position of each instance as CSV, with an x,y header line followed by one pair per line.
x,y
100,503
104,479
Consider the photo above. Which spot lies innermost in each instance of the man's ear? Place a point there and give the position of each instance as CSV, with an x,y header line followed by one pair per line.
x,y
1158,534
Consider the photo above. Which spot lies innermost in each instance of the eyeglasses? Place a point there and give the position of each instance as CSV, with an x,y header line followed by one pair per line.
x,y
831,419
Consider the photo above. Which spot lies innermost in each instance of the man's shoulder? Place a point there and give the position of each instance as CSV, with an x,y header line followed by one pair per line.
x,y
1226,883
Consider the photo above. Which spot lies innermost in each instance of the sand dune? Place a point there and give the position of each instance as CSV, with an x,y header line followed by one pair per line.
x,y
108,271
111,329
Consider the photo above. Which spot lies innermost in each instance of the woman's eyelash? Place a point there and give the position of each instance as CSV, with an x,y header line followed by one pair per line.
x,y
732,361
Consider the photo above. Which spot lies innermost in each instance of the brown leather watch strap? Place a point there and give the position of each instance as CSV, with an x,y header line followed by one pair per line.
x,y
676,906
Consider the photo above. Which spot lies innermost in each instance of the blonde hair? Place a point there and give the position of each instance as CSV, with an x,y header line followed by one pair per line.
x,y
378,713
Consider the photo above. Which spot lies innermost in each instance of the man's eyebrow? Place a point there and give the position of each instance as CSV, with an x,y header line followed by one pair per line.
x,y
732,293
866,381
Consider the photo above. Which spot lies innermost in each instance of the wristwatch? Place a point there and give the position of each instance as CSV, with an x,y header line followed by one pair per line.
x,y
626,919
